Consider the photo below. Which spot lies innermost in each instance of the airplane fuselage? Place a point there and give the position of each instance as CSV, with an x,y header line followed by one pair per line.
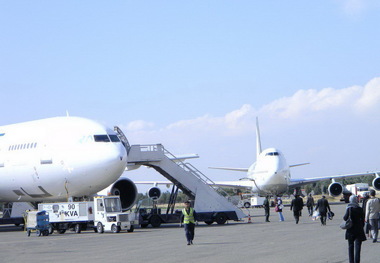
x,y
57,158
270,174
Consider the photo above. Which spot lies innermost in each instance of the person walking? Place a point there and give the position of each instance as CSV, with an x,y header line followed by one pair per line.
x,y
297,206
364,204
310,204
354,235
279,207
188,218
266,208
372,214
323,207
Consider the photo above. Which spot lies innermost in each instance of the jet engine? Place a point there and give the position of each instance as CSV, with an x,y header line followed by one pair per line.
x,y
124,188
376,183
154,193
335,189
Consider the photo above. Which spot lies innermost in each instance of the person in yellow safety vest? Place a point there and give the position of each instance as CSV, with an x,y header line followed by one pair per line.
x,y
188,218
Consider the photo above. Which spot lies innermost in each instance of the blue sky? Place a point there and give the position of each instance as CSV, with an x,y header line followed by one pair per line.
x,y
193,75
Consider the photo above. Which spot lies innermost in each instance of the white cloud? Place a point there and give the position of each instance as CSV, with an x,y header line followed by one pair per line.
x,y
370,96
303,103
327,103
233,123
139,125
241,119
347,122
203,123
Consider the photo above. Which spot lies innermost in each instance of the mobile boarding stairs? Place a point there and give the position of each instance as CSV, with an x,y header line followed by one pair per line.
x,y
210,205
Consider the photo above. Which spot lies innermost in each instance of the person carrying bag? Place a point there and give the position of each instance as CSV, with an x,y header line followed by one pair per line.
x,y
347,224
355,233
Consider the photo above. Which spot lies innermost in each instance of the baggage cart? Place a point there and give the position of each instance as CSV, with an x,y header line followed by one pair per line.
x,y
38,222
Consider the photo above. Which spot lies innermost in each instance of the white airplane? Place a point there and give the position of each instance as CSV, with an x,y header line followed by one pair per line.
x,y
270,174
62,158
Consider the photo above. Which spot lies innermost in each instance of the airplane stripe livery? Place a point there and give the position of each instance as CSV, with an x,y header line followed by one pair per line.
x,y
60,158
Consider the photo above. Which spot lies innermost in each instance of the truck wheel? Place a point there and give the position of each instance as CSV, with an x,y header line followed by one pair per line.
x,y
61,231
155,221
38,232
247,204
45,232
209,222
131,229
50,229
221,218
100,228
115,229
77,228
28,232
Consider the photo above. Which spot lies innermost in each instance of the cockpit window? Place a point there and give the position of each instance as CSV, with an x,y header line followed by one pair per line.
x,y
114,138
101,138
273,154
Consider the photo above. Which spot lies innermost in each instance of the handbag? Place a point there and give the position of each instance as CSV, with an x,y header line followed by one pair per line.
x,y
315,216
348,223
330,215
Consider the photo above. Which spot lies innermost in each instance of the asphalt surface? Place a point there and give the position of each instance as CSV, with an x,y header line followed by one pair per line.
x,y
234,242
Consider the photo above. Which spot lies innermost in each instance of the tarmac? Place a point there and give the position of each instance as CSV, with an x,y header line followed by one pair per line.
x,y
258,241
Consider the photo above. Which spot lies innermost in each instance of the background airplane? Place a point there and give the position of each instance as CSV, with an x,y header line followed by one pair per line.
x,y
270,174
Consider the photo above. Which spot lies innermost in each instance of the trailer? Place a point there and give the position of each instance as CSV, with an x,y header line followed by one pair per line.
x,y
102,214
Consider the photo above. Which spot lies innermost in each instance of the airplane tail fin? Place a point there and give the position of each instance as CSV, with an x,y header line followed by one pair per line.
x,y
258,140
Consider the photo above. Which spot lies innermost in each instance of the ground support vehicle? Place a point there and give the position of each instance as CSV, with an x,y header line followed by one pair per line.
x,y
254,201
154,217
38,222
357,189
102,214
257,201
14,213
108,215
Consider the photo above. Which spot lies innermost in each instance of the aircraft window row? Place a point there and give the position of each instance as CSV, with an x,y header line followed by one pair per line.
x,y
24,146
273,154
106,138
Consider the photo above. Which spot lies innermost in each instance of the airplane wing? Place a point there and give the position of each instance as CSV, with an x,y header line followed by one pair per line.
x,y
154,183
181,158
294,165
303,181
241,184
231,169
177,158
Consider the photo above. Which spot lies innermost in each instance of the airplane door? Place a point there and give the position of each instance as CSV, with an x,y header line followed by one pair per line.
x,y
99,209
46,154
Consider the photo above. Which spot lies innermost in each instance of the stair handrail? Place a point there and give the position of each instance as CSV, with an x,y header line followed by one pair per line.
x,y
205,179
